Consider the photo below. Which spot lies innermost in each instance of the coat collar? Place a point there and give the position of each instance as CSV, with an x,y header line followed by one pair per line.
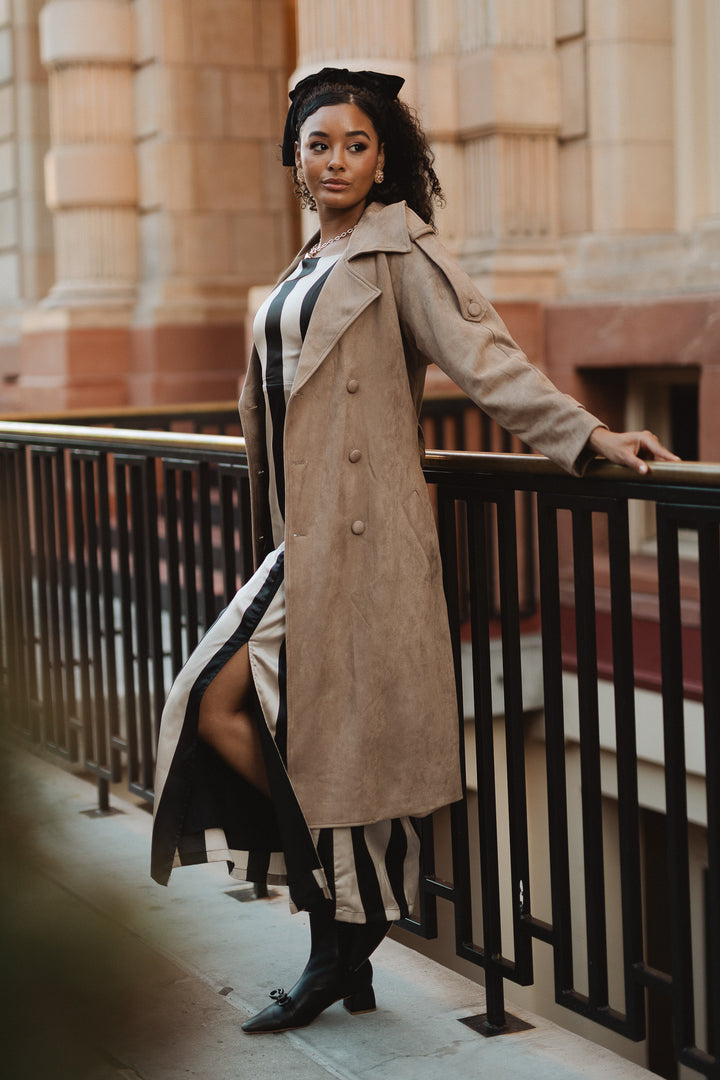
x,y
381,228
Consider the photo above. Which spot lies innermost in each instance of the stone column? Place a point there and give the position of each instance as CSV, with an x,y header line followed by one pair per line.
x,y
697,137
619,167
488,89
356,34
631,115
216,208
26,245
75,345
362,34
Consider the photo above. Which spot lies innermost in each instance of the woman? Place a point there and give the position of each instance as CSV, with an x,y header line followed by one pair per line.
x,y
318,716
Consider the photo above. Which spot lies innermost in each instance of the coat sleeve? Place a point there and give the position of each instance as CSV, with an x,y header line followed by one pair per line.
x,y
446,320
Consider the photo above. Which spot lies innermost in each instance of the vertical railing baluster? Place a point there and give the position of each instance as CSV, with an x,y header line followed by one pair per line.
x,y
205,546
44,681
86,704
709,573
18,602
227,487
26,540
514,734
675,780
246,538
66,601
58,716
484,743
172,563
187,516
548,559
100,745
139,548
122,465
592,822
107,593
154,616
10,624
626,761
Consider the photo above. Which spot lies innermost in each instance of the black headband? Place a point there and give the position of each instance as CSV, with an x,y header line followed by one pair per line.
x,y
387,86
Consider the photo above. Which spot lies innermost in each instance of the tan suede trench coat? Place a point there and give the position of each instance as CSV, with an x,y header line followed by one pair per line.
x,y
372,713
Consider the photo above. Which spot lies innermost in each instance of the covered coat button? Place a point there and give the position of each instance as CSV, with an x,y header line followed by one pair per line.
x,y
354,455
474,308
353,386
358,527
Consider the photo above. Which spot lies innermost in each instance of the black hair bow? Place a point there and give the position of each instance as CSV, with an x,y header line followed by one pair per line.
x,y
386,85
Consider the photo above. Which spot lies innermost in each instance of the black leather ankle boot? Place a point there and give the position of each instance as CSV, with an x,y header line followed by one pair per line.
x,y
327,978
338,969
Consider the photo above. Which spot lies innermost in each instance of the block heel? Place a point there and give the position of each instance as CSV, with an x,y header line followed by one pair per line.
x,y
361,1002
361,998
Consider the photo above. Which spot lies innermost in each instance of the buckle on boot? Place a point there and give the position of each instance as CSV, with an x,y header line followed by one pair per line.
x,y
280,997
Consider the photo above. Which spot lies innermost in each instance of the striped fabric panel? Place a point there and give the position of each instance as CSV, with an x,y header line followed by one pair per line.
x,y
371,869
279,330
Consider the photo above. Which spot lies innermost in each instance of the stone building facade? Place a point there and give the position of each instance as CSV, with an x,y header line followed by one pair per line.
x,y
141,196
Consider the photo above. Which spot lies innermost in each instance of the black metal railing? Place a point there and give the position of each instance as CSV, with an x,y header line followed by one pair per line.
x,y
118,549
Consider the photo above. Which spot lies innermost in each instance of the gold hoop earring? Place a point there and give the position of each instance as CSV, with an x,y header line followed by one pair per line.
x,y
379,176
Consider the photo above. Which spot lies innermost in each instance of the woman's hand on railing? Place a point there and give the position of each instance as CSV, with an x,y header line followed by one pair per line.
x,y
629,448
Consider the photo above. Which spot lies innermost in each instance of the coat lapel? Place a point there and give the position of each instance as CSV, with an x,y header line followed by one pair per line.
x,y
351,287
344,296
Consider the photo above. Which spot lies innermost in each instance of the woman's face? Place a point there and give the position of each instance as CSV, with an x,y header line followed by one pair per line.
x,y
339,153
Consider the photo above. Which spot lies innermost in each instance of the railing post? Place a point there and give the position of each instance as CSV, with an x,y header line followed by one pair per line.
x,y
103,793
495,1020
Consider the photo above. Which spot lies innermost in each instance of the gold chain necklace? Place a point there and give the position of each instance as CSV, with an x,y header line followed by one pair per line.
x,y
317,248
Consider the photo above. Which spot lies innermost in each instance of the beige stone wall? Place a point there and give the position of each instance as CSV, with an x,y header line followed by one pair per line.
x,y
578,142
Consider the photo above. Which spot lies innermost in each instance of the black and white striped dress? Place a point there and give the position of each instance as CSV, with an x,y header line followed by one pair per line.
x,y
370,871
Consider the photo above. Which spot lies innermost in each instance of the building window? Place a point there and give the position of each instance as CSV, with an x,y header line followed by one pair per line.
x,y
665,401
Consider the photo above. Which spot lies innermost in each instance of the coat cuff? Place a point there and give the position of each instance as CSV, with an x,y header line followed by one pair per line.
x,y
586,455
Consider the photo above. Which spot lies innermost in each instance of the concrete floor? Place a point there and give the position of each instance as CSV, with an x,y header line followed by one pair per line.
x,y
111,977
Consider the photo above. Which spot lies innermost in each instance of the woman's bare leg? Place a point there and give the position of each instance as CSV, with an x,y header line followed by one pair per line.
x,y
227,724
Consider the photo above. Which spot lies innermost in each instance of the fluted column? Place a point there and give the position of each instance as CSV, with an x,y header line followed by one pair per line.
x,y
90,172
362,32
488,90
75,345
26,247
359,34
216,209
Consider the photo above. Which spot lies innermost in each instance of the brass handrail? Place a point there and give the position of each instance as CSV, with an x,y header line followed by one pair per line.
x,y
107,438
687,472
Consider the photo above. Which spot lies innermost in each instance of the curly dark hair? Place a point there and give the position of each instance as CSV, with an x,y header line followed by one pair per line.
x,y
408,168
